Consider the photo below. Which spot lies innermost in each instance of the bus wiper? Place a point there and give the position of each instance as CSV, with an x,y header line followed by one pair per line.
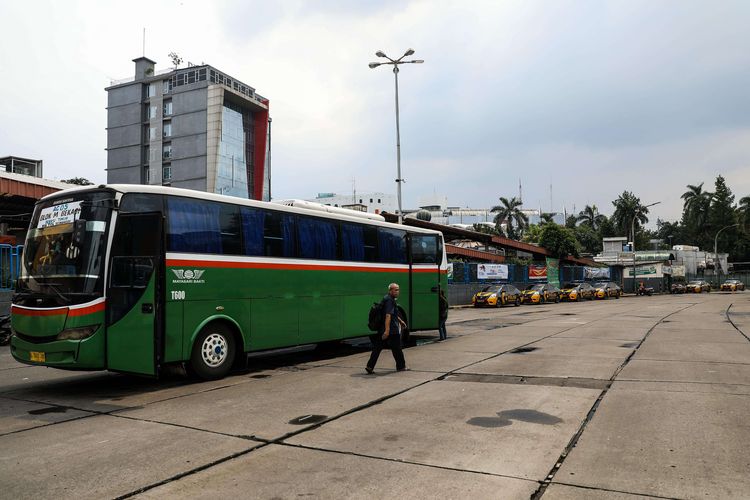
x,y
53,287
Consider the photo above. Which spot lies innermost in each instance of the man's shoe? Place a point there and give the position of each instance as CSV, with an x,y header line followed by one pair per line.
x,y
404,369
369,370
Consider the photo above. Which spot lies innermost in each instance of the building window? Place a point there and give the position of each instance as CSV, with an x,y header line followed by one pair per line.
x,y
370,200
167,130
360,200
167,108
166,151
151,92
166,86
166,172
151,112
152,133
378,200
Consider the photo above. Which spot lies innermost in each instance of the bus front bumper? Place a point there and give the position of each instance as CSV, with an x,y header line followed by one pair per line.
x,y
87,354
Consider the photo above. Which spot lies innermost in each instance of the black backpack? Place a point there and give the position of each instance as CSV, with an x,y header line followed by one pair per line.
x,y
375,319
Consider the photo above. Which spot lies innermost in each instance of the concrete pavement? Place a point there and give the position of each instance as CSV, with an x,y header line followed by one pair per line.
x,y
640,397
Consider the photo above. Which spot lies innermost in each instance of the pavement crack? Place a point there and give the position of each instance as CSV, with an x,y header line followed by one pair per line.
x,y
729,318
409,462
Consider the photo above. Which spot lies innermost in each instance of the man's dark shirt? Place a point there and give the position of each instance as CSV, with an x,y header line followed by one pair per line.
x,y
389,307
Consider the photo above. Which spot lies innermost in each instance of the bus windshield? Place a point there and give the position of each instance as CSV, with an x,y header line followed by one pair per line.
x,y
64,253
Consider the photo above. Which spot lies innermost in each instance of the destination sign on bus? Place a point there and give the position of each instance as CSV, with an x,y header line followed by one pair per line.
x,y
64,213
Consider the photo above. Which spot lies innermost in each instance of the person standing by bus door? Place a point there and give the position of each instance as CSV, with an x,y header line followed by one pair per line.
x,y
390,333
443,311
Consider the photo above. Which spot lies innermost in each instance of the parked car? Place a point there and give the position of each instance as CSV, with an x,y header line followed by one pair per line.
x,y
677,288
732,285
698,286
540,293
574,292
606,289
497,295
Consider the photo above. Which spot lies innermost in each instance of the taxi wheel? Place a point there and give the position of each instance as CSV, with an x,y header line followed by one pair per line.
x,y
541,299
617,295
518,301
557,299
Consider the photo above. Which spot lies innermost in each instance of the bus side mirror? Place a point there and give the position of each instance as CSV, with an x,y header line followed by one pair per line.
x,y
79,231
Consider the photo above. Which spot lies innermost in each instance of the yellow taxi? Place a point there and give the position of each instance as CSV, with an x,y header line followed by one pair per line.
x,y
606,289
732,285
698,286
496,296
540,293
574,292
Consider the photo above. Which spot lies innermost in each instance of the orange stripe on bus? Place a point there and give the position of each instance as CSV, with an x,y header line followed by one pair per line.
x,y
87,310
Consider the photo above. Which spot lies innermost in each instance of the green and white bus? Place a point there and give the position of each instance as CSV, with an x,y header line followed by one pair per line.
x,y
129,278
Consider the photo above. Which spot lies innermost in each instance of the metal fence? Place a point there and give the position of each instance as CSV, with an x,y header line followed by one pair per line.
x,y
10,265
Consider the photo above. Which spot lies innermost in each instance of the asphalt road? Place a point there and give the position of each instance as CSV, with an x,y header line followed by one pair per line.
x,y
645,396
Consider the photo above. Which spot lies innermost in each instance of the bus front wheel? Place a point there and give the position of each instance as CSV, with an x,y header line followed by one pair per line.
x,y
213,352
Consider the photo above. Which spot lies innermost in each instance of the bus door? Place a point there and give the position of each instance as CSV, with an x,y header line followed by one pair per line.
x,y
424,281
135,291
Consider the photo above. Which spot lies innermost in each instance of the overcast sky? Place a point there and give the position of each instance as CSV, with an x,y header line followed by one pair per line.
x,y
591,97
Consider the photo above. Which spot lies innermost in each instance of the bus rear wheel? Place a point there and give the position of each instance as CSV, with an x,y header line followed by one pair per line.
x,y
213,352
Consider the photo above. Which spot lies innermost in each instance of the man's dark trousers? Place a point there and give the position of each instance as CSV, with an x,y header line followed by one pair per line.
x,y
393,342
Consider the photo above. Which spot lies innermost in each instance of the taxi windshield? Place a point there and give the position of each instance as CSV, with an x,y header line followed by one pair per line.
x,y
492,289
536,288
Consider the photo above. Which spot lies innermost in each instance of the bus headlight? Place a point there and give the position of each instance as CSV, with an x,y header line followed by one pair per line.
x,y
80,333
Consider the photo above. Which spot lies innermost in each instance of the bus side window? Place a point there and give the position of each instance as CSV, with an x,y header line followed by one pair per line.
x,y
423,249
352,242
193,226
371,243
392,245
318,238
253,223
231,241
278,234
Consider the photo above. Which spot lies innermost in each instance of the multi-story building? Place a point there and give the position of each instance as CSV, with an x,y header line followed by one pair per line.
x,y
194,128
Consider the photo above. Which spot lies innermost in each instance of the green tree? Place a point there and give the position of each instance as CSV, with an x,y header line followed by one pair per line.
x,y
532,234
486,229
559,240
546,218
743,212
588,239
629,213
590,216
571,222
723,214
81,181
695,214
509,211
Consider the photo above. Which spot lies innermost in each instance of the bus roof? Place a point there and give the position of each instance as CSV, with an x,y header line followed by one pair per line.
x,y
202,195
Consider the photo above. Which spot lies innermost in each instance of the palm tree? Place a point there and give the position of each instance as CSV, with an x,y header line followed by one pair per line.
x,y
591,217
696,205
509,212
629,211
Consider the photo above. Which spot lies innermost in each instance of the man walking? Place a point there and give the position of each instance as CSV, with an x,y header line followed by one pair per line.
x,y
389,334
443,312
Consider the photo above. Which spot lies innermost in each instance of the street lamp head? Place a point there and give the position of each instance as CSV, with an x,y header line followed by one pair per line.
x,y
409,52
380,53
374,65
416,61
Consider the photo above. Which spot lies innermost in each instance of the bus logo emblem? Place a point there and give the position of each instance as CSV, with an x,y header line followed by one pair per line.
x,y
188,275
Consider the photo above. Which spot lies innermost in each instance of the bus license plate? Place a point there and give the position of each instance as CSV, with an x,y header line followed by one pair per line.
x,y
37,356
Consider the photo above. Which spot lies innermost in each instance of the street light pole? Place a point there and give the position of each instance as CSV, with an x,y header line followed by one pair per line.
x,y
716,253
632,230
395,63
